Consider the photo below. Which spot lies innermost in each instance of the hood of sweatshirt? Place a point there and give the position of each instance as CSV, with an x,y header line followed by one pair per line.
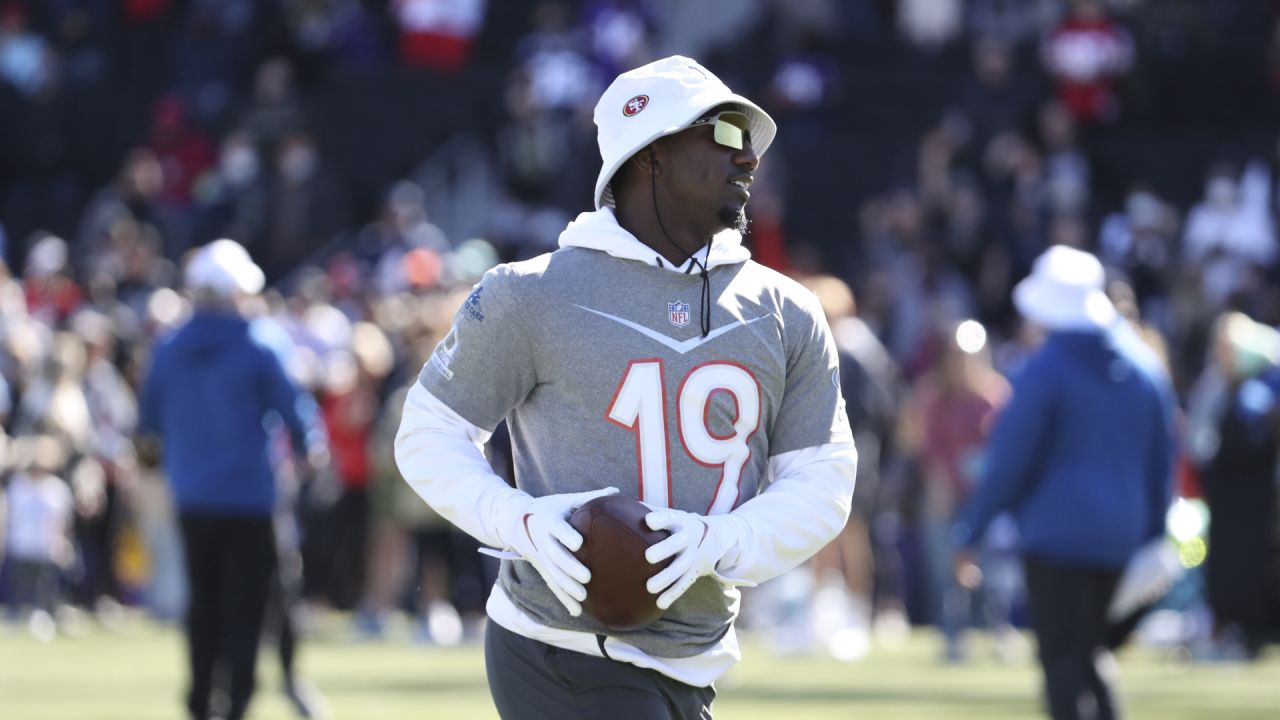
x,y
208,333
599,230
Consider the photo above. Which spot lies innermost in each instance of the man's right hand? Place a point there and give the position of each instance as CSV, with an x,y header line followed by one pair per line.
x,y
968,574
540,532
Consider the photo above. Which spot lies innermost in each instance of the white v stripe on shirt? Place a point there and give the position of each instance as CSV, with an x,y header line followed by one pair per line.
x,y
680,346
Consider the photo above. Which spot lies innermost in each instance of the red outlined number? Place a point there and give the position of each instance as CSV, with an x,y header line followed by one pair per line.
x,y
639,406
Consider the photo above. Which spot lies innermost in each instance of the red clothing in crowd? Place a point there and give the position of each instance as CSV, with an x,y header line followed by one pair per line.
x,y
349,419
52,299
438,34
1085,56
956,424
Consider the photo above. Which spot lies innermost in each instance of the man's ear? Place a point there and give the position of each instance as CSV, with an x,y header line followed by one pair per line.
x,y
646,161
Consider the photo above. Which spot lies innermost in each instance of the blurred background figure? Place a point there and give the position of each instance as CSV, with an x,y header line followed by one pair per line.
x,y
846,570
347,405
1141,243
1230,235
296,484
419,564
1087,433
109,466
305,207
1085,55
38,534
1239,449
230,199
51,292
944,429
212,379
135,194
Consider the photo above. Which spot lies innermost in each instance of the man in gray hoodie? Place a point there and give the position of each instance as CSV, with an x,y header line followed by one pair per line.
x,y
649,356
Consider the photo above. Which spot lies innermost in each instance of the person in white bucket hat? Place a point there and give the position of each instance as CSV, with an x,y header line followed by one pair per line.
x,y
206,409
1082,456
650,356
222,270
1065,291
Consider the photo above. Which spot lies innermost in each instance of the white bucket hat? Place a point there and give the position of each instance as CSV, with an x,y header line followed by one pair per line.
x,y
658,99
1065,291
224,267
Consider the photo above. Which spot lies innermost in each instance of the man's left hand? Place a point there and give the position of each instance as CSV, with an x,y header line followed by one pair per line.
x,y
697,543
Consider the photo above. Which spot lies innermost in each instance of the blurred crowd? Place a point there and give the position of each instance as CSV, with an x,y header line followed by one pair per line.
x,y
377,156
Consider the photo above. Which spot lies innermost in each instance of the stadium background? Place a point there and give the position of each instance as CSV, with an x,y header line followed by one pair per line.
x,y
376,156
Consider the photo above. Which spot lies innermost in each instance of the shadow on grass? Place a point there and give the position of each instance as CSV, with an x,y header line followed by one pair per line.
x,y
913,696
404,686
987,704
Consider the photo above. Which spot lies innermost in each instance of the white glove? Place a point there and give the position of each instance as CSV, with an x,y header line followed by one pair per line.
x,y
538,530
698,543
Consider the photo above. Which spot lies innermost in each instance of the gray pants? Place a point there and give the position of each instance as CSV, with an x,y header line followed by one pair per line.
x,y
531,680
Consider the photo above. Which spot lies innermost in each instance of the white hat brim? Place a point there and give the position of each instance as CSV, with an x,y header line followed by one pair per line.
x,y
1058,307
226,268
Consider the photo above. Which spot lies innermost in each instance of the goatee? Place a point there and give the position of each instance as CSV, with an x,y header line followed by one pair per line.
x,y
735,219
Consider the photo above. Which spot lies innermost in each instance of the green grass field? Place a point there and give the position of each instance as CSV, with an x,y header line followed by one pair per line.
x,y
137,673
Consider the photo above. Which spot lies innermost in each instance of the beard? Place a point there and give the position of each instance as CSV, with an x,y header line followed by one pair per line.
x,y
735,219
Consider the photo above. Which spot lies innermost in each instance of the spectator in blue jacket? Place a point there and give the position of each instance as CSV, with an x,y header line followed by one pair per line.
x,y
209,397
1082,456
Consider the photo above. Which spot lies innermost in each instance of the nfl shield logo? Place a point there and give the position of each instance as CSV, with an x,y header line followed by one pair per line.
x,y
678,313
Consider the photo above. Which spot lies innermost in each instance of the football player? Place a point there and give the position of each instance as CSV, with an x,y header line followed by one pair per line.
x,y
647,355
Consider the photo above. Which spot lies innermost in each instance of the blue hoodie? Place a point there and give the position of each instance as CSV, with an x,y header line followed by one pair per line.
x,y
210,395
1082,454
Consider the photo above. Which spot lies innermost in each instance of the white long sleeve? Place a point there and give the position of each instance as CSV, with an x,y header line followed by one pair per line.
x,y
806,505
441,456
802,510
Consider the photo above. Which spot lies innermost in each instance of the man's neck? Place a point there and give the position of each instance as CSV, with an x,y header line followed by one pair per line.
x,y
675,248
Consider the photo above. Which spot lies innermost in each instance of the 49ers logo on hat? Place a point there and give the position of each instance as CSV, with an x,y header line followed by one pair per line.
x,y
635,105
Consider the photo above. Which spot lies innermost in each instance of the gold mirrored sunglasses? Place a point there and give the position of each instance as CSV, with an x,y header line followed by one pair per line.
x,y
732,128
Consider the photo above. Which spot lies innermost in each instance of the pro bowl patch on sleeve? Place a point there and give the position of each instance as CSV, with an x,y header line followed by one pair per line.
x,y
443,355
472,305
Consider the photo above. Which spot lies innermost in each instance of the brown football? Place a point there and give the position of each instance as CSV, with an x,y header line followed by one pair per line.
x,y
614,538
